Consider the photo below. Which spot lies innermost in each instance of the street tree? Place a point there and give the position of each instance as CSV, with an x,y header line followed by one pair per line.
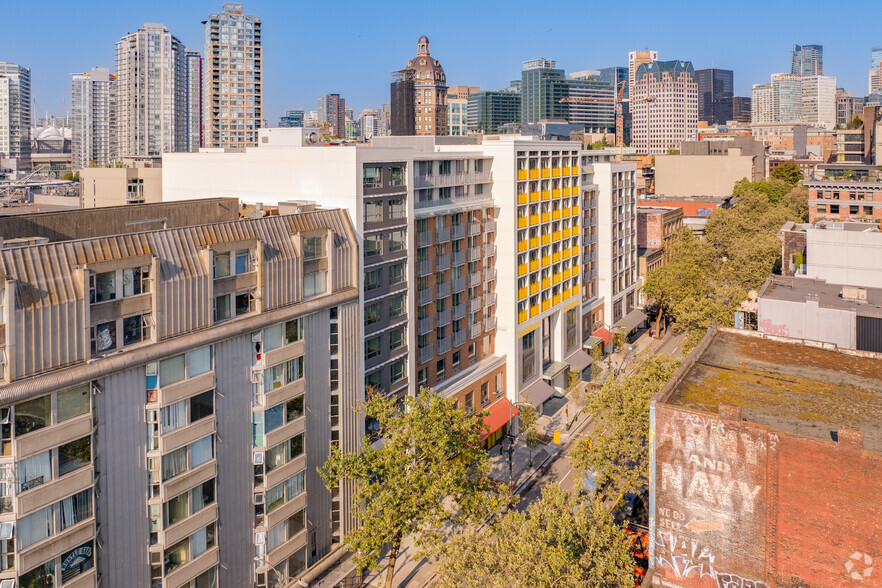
x,y
788,172
561,541
430,470
529,429
617,448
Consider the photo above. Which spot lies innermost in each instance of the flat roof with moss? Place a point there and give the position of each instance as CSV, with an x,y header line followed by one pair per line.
x,y
787,385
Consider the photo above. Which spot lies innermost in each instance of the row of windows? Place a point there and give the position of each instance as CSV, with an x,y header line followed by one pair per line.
x,y
373,312
395,209
373,278
395,241
187,458
373,347
73,563
187,503
188,549
54,463
397,372
850,210
53,519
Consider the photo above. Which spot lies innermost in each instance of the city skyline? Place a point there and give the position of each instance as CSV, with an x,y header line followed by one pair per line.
x,y
301,67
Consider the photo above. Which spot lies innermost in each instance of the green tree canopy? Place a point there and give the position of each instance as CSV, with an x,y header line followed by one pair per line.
x,y
430,470
617,448
788,172
856,123
561,541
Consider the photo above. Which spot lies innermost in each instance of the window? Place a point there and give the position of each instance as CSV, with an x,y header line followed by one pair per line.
x,y
371,177
203,540
132,281
244,303
76,561
284,452
171,370
221,308
314,283
221,265
441,368
469,402
200,361
396,305
372,279
176,509
572,332
372,381
373,212
396,241
528,356
286,491
396,338
397,208
372,245
33,471
243,264
396,176
105,287
76,509
397,370
313,248
176,555
201,406
283,373
33,415
73,402
74,455
396,273
103,337
372,347
188,457
485,394
285,530
372,313
35,527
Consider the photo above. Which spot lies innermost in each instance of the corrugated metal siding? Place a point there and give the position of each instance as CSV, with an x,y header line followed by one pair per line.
x,y
46,277
869,333
121,466
235,476
318,426
351,397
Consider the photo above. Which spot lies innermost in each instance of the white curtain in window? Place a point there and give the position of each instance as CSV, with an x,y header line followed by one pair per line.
x,y
200,361
201,451
276,536
171,370
200,540
296,484
174,463
34,470
272,337
34,527
76,508
174,416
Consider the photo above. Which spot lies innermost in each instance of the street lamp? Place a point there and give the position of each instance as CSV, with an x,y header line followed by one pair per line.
x,y
284,579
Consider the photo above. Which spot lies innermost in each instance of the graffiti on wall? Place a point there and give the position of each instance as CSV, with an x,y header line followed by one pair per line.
x,y
770,328
733,581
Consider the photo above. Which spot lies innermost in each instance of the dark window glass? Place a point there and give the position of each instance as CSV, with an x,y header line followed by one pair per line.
x,y
201,406
74,455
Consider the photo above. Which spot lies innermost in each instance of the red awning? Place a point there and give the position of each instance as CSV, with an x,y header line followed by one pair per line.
x,y
498,417
603,334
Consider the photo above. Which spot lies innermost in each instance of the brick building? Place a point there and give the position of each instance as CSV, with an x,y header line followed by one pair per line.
x,y
844,200
657,226
767,466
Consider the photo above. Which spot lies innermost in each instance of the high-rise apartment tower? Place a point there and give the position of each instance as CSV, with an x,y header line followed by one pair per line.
x,y
93,118
15,111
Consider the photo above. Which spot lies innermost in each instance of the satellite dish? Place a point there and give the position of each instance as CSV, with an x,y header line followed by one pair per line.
x,y
752,294
312,137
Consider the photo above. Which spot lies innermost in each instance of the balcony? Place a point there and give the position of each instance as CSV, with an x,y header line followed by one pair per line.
x,y
442,262
474,229
425,268
443,320
489,299
459,284
475,330
489,250
474,279
444,345
459,258
489,226
442,235
426,353
474,253
489,274
489,324
440,181
475,305
424,239
426,326
443,289
426,295
458,231
459,337
458,312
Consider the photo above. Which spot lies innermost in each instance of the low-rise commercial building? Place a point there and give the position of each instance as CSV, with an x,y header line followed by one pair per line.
x,y
846,193
134,182
838,252
709,168
163,408
656,227
696,210
766,458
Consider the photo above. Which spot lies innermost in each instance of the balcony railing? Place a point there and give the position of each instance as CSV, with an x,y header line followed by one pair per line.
x,y
459,284
489,226
459,337
458,311
474,229
424,239
425,268
442,262
443,318
489,274
489,323
426,325
489,298
426,353
426,295
443,289
442,235
474,253
458,231
444,345
440,181
475,330
489,250
474,279
459,258
475,305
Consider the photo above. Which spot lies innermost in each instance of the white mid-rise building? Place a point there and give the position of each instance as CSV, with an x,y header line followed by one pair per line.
x,y
93,118
15,111
819,101
791,98
664,106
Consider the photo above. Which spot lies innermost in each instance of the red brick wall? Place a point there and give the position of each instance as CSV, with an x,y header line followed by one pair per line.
x,y
650,229
739,505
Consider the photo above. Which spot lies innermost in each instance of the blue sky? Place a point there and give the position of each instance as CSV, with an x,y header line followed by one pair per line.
x,y
350,48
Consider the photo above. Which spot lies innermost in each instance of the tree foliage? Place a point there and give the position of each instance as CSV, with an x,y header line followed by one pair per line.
x,y
788,172
430,470
529,420
856,123
561,541
617,448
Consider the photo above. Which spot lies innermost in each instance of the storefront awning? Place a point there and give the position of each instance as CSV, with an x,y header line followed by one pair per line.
x,y
537,393
579,361
553,370
500,413
603,335
631,320
592,342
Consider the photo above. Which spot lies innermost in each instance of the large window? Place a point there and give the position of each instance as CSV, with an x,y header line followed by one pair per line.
x,y
283,373
106,286
285,530
33,415
75,562
373,212
372,347
74,455
372,245
232,263
397,241
572,330
187,458
371,177
528,356
187,411
372,279
187,503
177,368
396,176
396,273
313,248
42,523
397,208
285,491
372,313
284,452
282,413
33,471
396,305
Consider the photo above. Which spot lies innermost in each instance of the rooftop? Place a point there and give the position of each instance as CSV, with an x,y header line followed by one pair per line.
x,y
798,289
784,384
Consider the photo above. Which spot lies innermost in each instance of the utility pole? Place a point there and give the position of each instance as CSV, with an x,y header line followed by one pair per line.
x,y
511,441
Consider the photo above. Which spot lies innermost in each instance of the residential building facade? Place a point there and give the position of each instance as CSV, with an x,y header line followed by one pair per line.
x,y
15,112
664,106
93,118
232,83
129,436
332,111
151,112
194,100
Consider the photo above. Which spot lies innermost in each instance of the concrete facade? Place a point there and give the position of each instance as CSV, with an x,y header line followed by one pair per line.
x,y
115,186
766,490
703,175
